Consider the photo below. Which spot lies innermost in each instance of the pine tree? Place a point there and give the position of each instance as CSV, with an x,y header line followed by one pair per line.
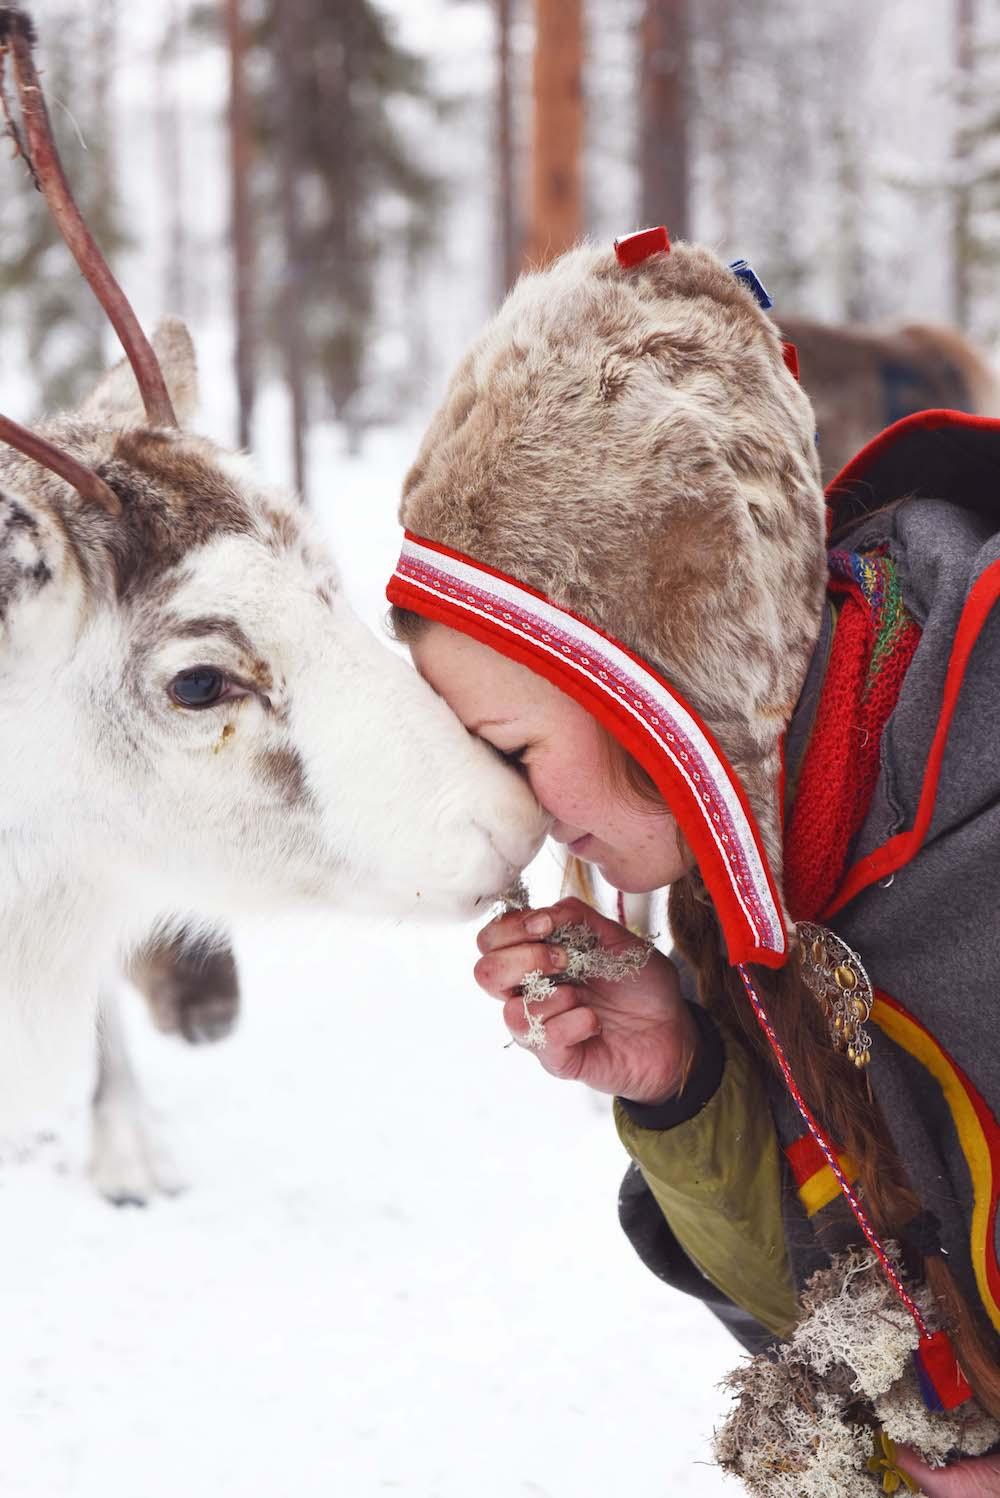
x,y
63,335
241,227
341,168
759,149
970,186
170,159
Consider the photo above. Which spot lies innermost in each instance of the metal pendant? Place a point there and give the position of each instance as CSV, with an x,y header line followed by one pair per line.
x,y
835,974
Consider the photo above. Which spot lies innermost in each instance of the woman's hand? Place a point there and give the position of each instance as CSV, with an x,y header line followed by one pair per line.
x,y
977,1477
632,1036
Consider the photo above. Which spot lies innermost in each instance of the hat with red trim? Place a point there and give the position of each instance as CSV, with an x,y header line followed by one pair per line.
x,y
621,490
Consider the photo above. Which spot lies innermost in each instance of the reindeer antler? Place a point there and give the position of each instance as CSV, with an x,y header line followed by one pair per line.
x,y
17,36
87,483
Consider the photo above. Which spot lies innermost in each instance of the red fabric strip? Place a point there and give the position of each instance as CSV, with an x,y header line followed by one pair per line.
x,y
905,845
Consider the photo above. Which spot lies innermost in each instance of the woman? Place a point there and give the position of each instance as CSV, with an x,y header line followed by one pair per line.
x,y
616,573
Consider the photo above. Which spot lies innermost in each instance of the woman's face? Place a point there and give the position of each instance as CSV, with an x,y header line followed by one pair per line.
x,y
560,749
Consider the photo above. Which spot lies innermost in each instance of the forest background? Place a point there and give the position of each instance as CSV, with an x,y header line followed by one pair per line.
x,y
341,192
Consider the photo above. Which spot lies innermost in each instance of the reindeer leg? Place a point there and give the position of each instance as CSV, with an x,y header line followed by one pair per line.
x,y
129,1163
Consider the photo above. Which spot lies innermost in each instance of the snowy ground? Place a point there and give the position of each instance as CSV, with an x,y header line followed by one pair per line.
x,y
397,1269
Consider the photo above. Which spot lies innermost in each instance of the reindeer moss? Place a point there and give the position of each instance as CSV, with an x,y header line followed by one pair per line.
x,y
587,959
803,1418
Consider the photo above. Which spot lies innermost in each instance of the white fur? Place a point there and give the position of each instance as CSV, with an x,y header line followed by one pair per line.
x,y
129,1161
118,808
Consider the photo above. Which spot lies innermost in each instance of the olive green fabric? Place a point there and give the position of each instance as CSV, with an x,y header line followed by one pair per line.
x,y
717,1181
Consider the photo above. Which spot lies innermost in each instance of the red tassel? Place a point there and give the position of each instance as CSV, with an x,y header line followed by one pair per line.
x,y
633,249
791,356
942,1382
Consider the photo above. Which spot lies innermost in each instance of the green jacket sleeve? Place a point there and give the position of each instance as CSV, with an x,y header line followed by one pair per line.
x,y
716,1178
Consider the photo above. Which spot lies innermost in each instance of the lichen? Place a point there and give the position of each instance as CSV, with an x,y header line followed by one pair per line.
x,y
804,1415
587,958
841,1306
936,1434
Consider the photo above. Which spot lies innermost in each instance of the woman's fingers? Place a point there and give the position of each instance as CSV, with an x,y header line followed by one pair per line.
x,y
573,911
567,1025
561,1001
503,970
975,1477
566,1031
519,926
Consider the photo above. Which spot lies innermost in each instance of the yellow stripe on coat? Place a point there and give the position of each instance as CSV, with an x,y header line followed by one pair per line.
x,y
978,1136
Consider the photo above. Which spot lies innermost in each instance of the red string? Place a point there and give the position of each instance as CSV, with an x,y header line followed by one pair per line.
x,y
823,1140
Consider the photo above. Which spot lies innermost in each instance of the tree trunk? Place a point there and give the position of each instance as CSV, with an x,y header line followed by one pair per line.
x,y
663,116
288,37
241,223
168,122
557,200
723,128
965,20
104,40
506,213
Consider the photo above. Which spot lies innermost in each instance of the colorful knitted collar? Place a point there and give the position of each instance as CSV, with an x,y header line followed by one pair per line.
x,y
873,644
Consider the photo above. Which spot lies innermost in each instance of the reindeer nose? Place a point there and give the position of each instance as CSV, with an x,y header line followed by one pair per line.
x,y
517,838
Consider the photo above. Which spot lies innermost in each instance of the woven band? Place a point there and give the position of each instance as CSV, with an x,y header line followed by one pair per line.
x,y
643,712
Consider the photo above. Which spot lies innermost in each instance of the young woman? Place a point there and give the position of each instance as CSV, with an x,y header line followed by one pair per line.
x,y
620,572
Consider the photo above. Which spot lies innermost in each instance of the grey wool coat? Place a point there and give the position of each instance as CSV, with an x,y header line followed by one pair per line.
x,y
923,905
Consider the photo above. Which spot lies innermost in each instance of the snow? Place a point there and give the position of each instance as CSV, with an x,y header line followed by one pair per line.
x,y
397,1268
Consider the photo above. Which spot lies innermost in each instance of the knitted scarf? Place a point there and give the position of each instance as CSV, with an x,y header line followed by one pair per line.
x,y
873,643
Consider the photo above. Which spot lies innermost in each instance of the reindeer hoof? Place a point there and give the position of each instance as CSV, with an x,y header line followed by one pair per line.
x,y
129,1163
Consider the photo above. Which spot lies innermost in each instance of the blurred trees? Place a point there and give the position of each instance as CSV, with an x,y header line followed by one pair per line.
x,y
851,151
967,181
241,226
664,111
973,184
327,184
169,62
331,156
62,330
557,135
968,135
508,222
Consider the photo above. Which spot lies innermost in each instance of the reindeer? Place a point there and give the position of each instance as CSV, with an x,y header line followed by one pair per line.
x,y
193,723
863,379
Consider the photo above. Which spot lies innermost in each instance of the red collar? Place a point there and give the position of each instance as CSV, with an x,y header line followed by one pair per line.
x,y
873,643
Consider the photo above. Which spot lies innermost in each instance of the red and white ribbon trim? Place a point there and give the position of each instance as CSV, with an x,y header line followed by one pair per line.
x,y
643,712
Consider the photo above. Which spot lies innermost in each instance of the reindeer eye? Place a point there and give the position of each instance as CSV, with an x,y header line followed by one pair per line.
x,y
199,687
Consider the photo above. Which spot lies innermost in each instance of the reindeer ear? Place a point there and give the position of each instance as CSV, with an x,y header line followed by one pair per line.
x,y
32,554
116,400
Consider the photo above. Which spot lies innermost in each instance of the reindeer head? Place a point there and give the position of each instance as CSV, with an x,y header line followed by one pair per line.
x,y
196,704
191,718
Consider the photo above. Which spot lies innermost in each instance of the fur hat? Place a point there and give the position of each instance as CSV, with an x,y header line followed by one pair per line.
x,y
629,442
